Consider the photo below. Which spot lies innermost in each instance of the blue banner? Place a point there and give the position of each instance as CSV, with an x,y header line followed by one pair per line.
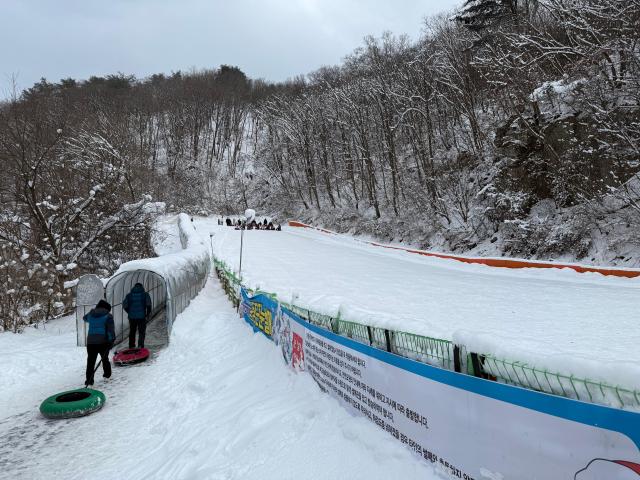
x,y
260,311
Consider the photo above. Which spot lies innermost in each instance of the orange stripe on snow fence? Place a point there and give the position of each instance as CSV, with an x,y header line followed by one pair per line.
x,y
492,262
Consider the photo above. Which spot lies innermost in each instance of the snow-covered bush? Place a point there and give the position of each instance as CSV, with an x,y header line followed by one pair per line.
x,y
562,236
67,211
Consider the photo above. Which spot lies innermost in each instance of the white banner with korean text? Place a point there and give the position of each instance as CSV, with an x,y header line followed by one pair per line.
x,y
470,427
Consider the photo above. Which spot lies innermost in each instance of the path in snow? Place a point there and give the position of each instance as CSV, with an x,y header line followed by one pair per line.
x,y
584,324
217,403
165,238
34,361
156,337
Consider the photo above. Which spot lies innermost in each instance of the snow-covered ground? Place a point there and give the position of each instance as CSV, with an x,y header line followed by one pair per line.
x,y
580,324
217,403
33,361
166,238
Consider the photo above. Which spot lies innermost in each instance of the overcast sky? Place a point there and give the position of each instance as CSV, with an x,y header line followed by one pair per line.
x,y
271,39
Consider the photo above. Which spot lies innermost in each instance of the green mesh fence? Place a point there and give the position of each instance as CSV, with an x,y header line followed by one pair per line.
x,y
424,349
523,375
230,283
443,354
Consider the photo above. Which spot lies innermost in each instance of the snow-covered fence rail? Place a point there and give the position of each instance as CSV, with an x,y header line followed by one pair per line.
x,y
455,356
172,281
570,386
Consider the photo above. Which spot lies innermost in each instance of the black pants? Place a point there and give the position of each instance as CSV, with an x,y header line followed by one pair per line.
x,y
141,326
92,354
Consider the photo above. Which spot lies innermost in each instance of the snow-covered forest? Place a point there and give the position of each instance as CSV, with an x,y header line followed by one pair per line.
x,y
511,127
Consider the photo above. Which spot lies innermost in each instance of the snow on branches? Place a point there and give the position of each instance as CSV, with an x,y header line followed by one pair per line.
x,y
66,211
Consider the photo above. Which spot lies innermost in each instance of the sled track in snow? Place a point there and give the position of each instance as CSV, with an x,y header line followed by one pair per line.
x,y
24,436
27,436
503,262
458,316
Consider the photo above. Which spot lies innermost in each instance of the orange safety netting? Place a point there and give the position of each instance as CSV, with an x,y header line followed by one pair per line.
x,y
493,262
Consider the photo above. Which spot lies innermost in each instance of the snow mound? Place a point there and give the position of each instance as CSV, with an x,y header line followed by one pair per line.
x,y
174,267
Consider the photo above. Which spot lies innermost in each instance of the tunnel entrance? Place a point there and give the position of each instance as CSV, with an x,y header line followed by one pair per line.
x,y
115,291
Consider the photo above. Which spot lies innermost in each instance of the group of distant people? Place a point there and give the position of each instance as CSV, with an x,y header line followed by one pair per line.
x,y
252,225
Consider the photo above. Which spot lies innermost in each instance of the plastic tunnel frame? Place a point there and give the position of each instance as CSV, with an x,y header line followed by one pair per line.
x,y
115,291
121,284
172,280
169,294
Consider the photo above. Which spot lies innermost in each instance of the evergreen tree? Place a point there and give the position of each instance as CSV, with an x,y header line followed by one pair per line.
x,y
479,14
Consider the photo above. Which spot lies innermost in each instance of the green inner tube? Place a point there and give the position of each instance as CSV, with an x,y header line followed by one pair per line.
x,y
74,403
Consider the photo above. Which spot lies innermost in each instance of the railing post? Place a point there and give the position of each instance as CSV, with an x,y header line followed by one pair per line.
x,y
335,325
387,338
456,359
477,366
370,334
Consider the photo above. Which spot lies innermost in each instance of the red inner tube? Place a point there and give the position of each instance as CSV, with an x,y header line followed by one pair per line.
x,y
131,355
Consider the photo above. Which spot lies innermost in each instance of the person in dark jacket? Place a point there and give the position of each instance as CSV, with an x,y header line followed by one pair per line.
x,y
137,304
100,338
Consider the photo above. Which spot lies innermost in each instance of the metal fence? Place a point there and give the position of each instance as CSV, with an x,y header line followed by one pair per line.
x,y
516,373
445,354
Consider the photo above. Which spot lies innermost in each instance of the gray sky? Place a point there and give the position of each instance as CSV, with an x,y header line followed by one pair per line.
x,y
272,39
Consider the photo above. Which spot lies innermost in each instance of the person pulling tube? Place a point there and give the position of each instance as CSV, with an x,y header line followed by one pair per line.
x,y
137,304
100,338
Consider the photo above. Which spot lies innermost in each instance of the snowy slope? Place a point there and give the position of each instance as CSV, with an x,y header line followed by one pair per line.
x,y
33,361
166,238
217,403
581,324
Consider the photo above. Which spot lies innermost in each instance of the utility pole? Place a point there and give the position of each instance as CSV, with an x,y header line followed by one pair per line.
x,y
241,246
240,269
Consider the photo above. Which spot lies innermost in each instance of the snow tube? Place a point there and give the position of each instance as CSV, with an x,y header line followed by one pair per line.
x,y
73,403
131,356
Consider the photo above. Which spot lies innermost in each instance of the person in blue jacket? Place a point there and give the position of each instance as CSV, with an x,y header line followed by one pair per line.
x,y
137,304
100,338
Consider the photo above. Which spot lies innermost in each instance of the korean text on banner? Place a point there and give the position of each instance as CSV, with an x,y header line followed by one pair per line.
x,y
471,427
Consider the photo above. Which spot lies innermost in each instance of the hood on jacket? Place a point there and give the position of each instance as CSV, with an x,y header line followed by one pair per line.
x,y
98,312
103,305
137,288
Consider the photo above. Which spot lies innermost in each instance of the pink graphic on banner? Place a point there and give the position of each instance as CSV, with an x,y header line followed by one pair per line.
x,y
297,358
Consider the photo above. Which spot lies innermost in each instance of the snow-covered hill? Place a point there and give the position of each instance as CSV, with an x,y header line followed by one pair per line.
x,y
217,403
580,324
